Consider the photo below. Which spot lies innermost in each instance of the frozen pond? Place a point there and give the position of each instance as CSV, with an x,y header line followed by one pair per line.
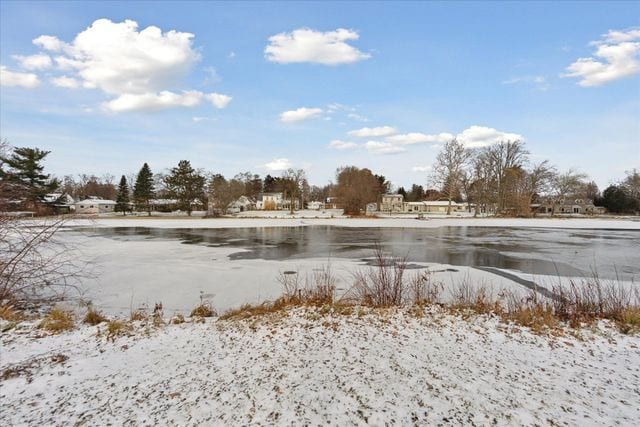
x,y
241,264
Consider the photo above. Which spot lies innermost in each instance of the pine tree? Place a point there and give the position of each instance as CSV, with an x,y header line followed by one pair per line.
x,y
186,185
122,199
22,173
143,191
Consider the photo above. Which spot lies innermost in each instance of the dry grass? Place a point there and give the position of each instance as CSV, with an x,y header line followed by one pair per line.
x,y
629,322
138,315
57,321
9,313
117,328
204,309
94,317
177,319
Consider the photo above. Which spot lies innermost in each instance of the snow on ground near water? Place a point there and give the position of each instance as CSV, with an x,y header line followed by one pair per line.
x,y
313,369
129,273
569,223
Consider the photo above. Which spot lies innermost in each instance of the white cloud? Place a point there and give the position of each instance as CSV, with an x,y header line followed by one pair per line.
x,y
199,119
15,78
278,165
373,132
136,67
307,45
480,136
617,55
65,81
358,117
50,43
539,82
39,61
378,147
416,137
299,114
421,169
342,145
149,102
218,100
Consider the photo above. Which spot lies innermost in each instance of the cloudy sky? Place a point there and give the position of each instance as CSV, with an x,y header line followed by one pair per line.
x,y
265,86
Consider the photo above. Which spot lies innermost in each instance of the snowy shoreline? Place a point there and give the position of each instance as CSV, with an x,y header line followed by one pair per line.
x,y
310,367
183,222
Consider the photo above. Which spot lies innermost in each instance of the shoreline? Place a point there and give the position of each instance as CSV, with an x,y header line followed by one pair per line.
x,y
252,222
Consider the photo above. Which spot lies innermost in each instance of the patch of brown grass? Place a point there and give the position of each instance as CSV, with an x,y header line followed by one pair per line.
x,y
57,321
629,322
94,317
204,309
177,319
9,313
138,315
117,328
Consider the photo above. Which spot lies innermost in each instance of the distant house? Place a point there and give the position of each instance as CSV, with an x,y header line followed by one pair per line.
x,y
95,206
568,207
392,203
315,206
439,206
243,204
270,201
61,203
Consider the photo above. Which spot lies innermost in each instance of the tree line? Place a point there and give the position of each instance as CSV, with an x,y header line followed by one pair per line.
x,y
499,175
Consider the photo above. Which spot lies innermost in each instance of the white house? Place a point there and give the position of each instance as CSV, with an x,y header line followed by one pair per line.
x,y
95,206
439,206
315,206
270,201
392,203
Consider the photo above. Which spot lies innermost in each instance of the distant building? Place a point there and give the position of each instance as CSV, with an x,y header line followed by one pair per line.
x,y
95,206
243,204
439,206
61,203
270,201
568,207
315,206
392,203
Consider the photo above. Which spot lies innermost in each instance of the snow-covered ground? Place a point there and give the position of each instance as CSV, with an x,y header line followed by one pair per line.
x,y
309,368
182,222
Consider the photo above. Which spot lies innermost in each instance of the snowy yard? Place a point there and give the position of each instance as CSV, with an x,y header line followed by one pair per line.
x,y
318,369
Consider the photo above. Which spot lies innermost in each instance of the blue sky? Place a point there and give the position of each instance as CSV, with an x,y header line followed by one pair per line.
x,y
413,74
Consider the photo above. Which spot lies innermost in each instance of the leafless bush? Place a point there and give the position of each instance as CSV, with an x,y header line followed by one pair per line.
x,y
382,285
317,289
35,266
423,290
594,299
479,298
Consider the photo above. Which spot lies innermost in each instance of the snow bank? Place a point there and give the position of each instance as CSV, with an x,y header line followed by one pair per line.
x,y
313,369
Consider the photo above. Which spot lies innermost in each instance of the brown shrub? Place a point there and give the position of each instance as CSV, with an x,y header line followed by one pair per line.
x,y
204,309
57,321
116,328
94,317
9,313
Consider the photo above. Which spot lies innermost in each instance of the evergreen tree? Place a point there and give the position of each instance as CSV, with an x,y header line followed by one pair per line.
x,y
23,173
185,184
122,199
143,190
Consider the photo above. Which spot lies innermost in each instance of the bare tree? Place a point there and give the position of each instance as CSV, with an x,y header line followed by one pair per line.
x,y
292,181
448,169
498,159
36,266
567,184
